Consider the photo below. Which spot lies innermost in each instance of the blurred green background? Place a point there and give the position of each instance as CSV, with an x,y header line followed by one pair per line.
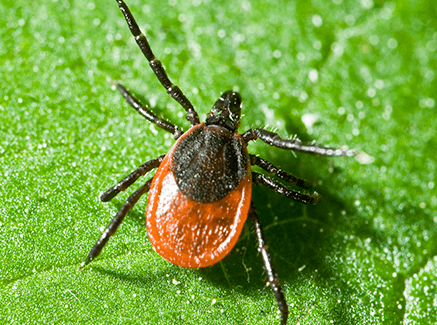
x,y
356,73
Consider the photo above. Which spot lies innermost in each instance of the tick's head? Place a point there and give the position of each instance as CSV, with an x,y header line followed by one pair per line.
x,y
226,111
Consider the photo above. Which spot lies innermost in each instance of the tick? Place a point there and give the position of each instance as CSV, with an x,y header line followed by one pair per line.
x,y
200,196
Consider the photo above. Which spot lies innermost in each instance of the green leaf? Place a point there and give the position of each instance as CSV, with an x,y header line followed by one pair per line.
x,y
345,73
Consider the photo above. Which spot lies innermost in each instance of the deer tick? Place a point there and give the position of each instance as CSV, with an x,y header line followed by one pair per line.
x,y
200,195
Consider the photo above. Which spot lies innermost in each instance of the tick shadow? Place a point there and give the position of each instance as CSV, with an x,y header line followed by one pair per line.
x,y
295,241
303,239
299,237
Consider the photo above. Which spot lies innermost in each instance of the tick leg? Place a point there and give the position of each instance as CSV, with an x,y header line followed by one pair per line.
x,y
275,140
115,222
130,179
148,114
281,189
156,65
270,168
271,274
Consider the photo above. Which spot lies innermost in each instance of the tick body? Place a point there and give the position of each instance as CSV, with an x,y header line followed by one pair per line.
x,y
200,196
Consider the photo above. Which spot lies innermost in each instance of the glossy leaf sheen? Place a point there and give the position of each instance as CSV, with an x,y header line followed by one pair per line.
x,y
364,255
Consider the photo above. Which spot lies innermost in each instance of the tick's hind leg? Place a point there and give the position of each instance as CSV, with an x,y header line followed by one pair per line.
x,y
148,114
156,65
130,179
115,222
273,280
273,170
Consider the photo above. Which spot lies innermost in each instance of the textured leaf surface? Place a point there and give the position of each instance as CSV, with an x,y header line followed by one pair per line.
x,y
357,73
